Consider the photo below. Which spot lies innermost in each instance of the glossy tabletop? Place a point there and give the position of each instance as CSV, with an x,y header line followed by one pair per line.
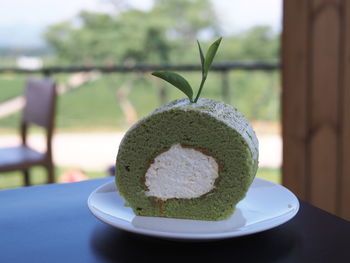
x,y
52,223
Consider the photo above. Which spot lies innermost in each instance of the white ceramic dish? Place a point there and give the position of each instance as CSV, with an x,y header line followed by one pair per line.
x,y
265,206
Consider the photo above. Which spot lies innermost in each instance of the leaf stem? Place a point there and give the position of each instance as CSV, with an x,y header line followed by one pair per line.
x,y
200,88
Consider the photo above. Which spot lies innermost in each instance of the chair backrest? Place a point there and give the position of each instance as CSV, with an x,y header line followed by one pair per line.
x,y
39,109
40,95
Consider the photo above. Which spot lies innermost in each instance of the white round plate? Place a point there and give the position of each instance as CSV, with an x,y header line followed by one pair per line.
x,y
265,206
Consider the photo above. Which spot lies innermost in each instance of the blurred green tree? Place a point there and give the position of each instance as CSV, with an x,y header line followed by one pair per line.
x,y
131,34
259,43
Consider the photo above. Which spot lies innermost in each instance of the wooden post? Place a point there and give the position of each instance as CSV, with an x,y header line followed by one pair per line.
x,y
344,175
315,102
294,95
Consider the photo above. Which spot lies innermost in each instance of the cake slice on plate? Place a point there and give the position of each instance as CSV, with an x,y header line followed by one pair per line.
x,y
191,158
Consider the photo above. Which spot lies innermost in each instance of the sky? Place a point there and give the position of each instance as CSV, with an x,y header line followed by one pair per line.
x,y
22,22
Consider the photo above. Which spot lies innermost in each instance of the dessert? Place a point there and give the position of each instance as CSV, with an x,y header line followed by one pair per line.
x,y
191,158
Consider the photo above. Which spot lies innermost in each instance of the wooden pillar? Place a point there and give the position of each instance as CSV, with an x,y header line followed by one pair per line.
x,y
344,178
316,102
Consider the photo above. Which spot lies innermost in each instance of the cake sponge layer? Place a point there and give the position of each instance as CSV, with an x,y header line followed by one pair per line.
x,y
212,127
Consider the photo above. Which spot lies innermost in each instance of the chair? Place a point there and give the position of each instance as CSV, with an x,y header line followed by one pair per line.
x,y
40,95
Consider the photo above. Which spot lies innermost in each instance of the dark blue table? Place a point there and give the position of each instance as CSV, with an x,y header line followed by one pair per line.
x,y
52,223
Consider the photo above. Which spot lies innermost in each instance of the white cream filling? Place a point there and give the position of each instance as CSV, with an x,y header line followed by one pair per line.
x,y
181,173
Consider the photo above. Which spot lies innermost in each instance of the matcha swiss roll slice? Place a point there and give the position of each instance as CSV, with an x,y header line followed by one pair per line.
x,y
192,158
187,160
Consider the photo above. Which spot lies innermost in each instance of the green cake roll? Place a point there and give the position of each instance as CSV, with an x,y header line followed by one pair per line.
x,y
187,160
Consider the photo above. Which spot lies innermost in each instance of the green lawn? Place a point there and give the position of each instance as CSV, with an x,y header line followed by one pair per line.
x,y
38,176
11,85
95,106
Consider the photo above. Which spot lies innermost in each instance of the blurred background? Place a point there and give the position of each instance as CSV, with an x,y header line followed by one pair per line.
x,y
101,52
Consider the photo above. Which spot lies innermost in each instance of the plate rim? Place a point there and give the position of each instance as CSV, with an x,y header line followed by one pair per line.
x,y
255,228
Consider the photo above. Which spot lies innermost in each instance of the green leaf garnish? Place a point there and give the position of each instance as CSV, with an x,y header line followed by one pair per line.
x,y
208,60
201,56
177,80
181,83
210,55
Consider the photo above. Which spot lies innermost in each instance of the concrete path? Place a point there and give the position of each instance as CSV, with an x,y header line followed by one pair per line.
x,y
11,106
97,151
